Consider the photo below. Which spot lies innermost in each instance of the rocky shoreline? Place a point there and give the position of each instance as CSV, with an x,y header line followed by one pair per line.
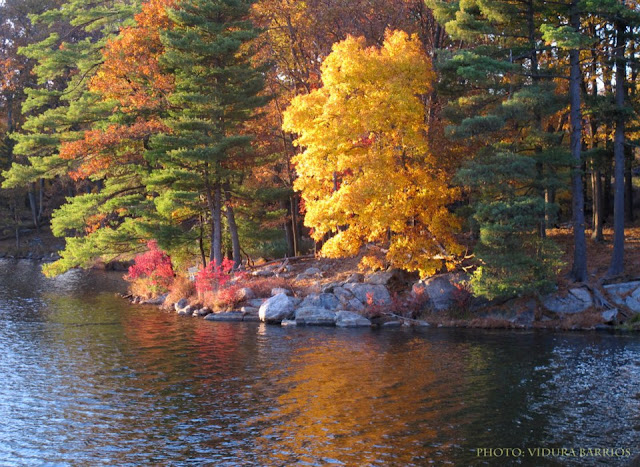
x,y
391,299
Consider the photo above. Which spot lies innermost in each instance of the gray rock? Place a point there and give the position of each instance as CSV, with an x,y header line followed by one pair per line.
x,y
244,294
439,289
355,278
421,323
349,319
379,278
312,272
329,288
251,318
186,311
392,324
342,294
288,322
159,300
249,309
610,316
255,302
315,316
180,304
378,293
263,273
525,317
327,301
625,294
277,290
202,312
276,308
576,301
355,305
225,316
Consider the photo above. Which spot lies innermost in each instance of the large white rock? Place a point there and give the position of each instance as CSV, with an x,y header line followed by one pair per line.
x,y
315,316
349,319
378,294
576,301
276,308
625,294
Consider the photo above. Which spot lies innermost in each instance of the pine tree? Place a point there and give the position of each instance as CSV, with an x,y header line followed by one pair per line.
x,y
216,91
507,106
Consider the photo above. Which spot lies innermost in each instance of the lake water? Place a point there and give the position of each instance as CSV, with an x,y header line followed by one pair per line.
x,y
87,379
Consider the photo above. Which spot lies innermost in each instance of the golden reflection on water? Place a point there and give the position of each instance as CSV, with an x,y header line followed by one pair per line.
x,y
341,405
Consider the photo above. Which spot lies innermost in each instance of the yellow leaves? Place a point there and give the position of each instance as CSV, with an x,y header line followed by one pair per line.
x,y
366,173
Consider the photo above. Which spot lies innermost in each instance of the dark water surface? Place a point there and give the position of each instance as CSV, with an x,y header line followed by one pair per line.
x,y
86,379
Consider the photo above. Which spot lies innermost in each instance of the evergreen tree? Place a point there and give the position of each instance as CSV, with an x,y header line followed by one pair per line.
x,y
505,103
216,90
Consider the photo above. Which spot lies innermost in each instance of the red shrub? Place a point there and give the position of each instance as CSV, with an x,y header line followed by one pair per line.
x,y
151,270
213,277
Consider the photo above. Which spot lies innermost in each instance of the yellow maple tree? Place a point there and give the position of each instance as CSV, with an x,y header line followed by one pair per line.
x,y
366,172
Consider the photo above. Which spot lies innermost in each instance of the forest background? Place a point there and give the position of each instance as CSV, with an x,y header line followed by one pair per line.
x,y
496,136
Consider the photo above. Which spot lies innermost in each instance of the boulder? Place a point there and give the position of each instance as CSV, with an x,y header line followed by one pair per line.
x,y
355,278
327,301
255,302
225,316
245,293
251,318
159,300
288,322
308,273
394,279
180,304
278,290
440,289
349,319
379,278
610,316
576,301
342,294
625,294
392,324
186,311
202,312
249,309
378,294
355,305
276,308
312,272
315,316
263,273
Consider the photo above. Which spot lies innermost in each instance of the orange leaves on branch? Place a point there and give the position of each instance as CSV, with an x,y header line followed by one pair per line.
x,y
130,73
117,145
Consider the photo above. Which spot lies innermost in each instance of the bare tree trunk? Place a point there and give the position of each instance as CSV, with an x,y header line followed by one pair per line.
x,y
33,205
294,225
617,258
233,228
40,199
596,184
214,198
628,182
201,243
288,228
579,268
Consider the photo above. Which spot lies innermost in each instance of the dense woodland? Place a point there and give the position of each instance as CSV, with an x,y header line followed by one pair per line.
x,y
424,135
